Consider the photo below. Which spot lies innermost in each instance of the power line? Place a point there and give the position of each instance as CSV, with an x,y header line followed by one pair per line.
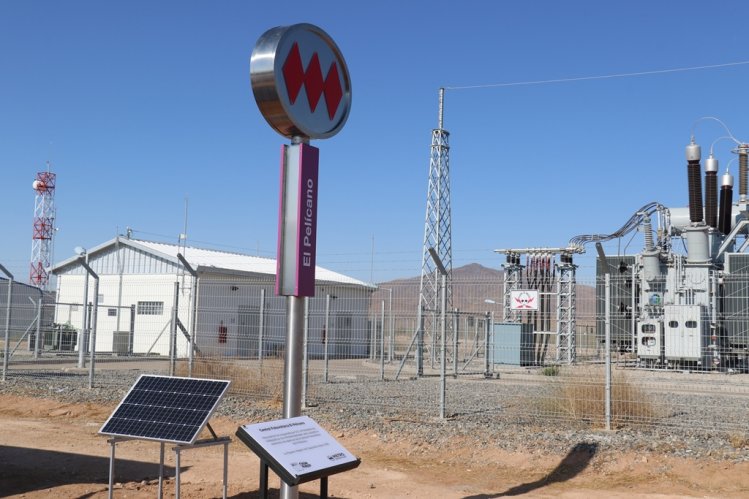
x,y
599,77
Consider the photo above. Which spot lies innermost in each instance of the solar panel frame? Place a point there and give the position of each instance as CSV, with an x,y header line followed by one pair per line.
x,y
165,408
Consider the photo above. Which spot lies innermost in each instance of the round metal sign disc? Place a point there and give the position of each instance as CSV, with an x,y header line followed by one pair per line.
x,y
300,81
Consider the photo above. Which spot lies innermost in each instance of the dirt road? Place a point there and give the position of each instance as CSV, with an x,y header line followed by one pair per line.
x,y
52,449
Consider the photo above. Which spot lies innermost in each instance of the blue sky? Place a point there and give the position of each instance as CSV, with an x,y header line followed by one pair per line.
x,y
140,104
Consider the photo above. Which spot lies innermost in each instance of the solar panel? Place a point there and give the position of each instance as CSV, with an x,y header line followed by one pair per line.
x,y
165,409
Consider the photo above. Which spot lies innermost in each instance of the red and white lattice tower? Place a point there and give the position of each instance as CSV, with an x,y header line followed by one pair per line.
x,y
42,244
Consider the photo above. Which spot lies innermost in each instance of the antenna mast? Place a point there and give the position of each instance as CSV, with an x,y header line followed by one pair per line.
x,y
42,243
437,235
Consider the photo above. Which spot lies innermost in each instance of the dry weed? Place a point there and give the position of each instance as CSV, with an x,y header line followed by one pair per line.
x,y
579,394
739,440
248,377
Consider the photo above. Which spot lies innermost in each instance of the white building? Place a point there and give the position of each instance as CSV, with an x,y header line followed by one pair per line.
x,y
140,282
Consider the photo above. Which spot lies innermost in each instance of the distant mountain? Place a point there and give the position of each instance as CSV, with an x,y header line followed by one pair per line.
x,y
473,288
472,284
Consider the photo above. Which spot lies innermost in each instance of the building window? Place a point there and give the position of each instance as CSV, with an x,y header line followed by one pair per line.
x,y
150,307
112,312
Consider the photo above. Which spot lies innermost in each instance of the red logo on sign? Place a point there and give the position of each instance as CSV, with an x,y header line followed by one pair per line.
x,y
295,77
524,301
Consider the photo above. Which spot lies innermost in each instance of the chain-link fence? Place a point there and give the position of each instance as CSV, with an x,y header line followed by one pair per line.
x,y
376,347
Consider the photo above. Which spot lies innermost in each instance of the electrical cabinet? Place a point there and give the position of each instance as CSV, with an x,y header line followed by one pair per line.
x,y
512,343
686,332
650,339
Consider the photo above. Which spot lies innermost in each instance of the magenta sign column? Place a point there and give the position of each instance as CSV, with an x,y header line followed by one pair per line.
x,y
302,87
297,221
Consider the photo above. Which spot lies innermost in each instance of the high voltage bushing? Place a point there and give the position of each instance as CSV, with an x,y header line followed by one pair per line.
x,y
695,183
711,191
726,200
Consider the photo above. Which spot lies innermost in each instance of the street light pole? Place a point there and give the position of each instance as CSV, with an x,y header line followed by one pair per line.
x,y
82,333
487,338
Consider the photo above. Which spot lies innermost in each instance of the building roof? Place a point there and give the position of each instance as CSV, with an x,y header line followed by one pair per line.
x,y
206,260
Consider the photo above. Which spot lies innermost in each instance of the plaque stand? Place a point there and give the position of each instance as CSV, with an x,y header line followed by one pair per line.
x,y
273,449
263,488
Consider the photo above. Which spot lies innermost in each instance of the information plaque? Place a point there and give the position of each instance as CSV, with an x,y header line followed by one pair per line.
x,y
297,449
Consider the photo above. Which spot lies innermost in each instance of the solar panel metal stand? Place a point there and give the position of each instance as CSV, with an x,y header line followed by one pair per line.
x,y
208,442
167,409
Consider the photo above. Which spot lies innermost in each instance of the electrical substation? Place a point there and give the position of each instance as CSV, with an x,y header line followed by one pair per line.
x,y
681,302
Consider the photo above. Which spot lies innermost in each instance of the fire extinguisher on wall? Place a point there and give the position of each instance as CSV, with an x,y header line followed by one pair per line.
x,y
222,332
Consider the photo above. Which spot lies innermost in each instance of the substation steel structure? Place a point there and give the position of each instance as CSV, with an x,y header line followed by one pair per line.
x,y
550,272
43,229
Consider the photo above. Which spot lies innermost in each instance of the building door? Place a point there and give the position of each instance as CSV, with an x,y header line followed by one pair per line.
x,y
248,331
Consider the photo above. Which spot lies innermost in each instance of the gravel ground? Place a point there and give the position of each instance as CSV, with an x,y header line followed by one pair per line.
x,y
486,413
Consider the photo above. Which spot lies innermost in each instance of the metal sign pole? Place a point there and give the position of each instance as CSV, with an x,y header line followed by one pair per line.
x,y
295,271
305,352
292,390
279,65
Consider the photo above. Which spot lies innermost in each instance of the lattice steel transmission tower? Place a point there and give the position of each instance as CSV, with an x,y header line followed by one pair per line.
x,y
437,235
42,238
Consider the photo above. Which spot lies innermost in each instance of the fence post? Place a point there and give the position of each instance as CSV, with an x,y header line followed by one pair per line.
x,y
456,332
326,337
391,342
193,311
607,304
131,336
373,338
261,327
173,332
382,342
443,346
487,373
193,328
38,328
419,345
633,318
7,320
490,354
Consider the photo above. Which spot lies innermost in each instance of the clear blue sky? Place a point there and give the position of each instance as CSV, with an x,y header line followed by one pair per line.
x,y
140,104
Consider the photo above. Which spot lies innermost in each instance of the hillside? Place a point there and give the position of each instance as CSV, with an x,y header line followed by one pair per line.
x,y
473,285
